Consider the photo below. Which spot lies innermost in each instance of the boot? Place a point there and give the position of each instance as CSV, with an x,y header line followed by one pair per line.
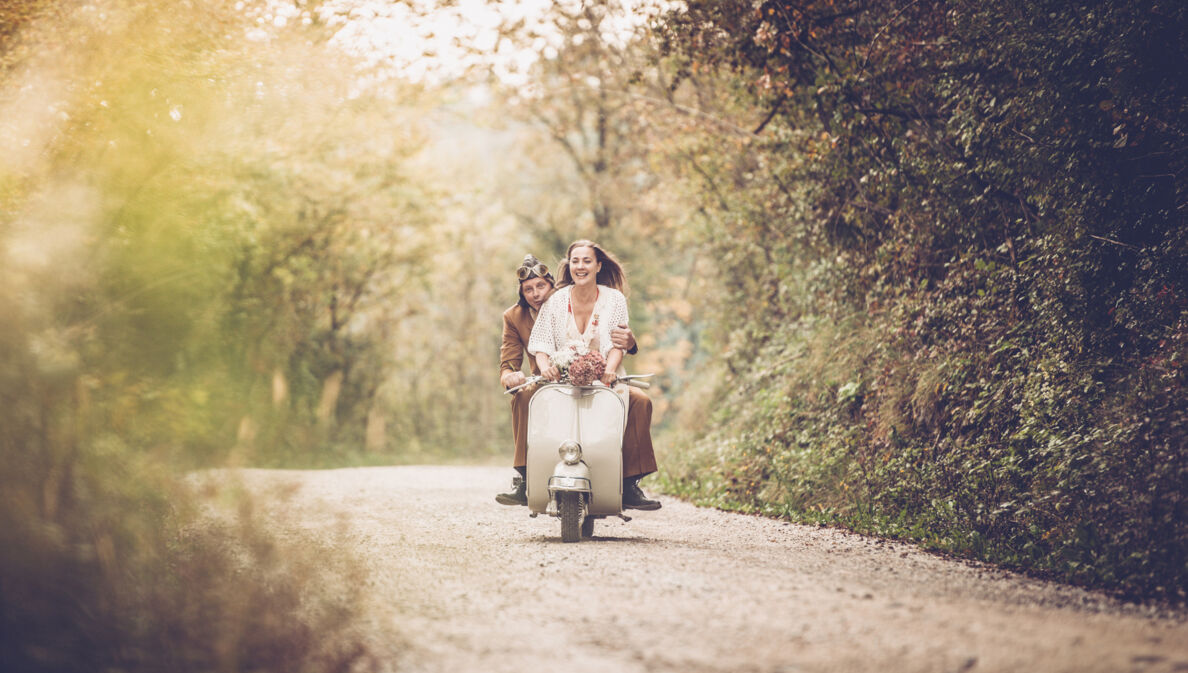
x,y
518,495
634,498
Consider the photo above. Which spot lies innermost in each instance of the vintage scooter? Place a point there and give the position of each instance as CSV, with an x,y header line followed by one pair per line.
x,y
575,457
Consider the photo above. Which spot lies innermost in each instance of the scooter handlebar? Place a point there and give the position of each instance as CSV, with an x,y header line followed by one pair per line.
x,y
532,380
635,380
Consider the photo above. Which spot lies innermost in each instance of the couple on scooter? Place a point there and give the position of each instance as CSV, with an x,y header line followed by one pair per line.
x,y
588,305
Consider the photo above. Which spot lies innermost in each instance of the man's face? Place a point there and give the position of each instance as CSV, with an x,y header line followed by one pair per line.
x,y
536,290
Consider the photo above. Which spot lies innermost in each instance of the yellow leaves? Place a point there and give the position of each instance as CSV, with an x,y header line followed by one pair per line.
x,y
666,357
682,309
284,275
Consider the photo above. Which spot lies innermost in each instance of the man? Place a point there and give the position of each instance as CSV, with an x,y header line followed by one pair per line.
x,y
639,459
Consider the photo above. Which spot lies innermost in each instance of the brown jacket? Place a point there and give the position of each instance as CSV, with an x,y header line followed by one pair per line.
x,y
517,328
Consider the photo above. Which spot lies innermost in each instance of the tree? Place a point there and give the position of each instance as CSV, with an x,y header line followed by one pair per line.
x,y
970,227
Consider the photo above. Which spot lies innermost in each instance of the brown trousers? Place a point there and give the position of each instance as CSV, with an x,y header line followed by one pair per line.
x,y
639,458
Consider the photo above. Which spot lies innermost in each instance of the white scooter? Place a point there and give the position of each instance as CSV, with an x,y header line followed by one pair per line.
x,y
575,453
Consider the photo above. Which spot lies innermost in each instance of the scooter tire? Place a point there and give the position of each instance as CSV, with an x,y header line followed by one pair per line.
x,y
588,527
570,507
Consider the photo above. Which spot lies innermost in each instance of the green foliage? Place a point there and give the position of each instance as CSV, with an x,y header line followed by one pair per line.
x,y
255,227
199,261
968,321
109,561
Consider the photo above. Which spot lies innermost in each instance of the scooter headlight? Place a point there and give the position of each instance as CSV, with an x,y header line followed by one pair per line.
x,y
571,452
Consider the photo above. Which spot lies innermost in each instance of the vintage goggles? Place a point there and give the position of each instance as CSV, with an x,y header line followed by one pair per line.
x,y
538,269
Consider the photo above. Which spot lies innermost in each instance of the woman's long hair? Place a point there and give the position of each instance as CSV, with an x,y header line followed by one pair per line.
x,y
611,274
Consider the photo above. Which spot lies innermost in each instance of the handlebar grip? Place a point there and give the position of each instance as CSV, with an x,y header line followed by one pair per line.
x,y
637,383
525,384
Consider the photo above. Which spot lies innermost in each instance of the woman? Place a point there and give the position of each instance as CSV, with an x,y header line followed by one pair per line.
x,y
588,303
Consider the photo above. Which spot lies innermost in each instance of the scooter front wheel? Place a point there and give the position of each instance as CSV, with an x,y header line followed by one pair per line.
x,y
569,505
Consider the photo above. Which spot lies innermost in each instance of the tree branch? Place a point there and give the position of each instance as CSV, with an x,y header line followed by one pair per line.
x,y
879,34
770,115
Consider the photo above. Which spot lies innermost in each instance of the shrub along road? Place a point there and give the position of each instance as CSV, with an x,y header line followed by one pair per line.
x,y
459,583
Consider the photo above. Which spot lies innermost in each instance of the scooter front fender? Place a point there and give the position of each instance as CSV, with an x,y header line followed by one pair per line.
x,y
568,477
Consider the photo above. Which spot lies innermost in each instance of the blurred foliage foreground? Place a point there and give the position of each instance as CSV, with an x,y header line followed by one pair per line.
x,y
953,261
176,202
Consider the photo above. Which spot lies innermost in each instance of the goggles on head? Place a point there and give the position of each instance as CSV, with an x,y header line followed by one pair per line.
x,y
526,272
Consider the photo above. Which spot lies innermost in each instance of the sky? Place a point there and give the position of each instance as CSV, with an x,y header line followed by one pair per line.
x,y
420,41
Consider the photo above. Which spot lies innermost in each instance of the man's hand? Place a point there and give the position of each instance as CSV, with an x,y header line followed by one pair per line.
x,y
512,379
621,337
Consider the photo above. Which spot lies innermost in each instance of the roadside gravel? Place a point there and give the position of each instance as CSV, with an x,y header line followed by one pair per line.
x,y
459,583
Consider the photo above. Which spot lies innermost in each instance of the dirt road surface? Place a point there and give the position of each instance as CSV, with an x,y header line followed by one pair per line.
x,y
461,584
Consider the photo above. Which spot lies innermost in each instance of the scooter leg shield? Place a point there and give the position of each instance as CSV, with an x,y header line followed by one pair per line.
x,y
595,418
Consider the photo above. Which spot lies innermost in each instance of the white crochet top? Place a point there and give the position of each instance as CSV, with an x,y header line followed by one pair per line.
x,y
555,326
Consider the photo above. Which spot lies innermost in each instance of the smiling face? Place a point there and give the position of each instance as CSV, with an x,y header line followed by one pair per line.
x,y
584,265
535,291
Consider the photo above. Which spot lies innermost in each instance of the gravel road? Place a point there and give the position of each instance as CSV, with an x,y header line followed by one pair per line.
x,y
459,583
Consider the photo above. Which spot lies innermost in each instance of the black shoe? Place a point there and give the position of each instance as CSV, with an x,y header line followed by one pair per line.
x,y
518,496
634,498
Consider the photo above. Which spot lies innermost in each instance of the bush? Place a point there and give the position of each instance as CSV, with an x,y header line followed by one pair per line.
x,y
113,563
971,217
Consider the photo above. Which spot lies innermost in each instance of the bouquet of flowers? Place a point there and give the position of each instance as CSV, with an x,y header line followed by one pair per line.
x,y
587,368
565,357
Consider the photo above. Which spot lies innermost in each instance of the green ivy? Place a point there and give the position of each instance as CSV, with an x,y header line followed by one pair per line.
x,y
971,325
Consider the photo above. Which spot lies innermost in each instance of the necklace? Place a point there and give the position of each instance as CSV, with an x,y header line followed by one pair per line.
x,y
593,315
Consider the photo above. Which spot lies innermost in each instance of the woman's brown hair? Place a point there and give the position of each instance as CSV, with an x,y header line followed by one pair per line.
x,y
611,274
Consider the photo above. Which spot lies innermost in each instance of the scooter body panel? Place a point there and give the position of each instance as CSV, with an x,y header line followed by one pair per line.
x,y
595,417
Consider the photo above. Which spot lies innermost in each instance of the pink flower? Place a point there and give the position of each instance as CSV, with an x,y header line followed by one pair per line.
x,y
587,369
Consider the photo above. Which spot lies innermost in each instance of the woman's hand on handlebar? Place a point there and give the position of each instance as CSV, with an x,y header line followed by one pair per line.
x,y
611,374
547,370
